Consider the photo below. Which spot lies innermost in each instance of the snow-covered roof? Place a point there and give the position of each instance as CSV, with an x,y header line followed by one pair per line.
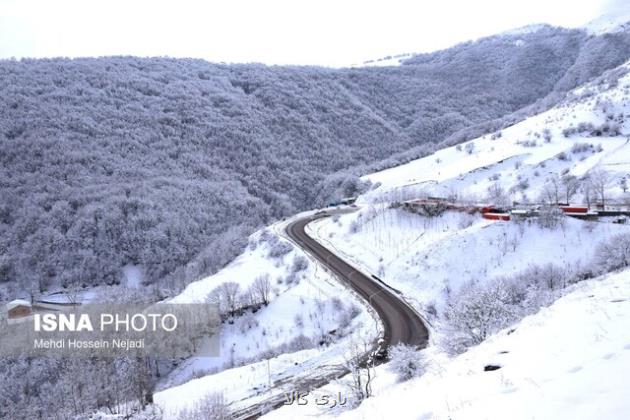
x,y
17,302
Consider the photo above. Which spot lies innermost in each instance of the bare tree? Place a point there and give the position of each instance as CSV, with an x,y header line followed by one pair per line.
x,y
359,360
599,181
587,190
551,190
570,186
497,195
623,184
229,292
262,289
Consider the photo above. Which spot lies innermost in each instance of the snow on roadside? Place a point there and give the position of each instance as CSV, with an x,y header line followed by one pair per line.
x,y
570,360
428,258
308,307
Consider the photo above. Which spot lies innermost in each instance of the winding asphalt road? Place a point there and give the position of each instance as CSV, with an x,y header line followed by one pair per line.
x,y
401,323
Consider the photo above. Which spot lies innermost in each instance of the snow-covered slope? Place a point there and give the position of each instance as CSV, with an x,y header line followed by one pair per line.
x,y
395,60
429,258
569,361
615,17
565,361
307,306
589,130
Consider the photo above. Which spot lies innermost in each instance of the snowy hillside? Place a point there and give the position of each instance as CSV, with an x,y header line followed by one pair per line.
x,y
429,258
306,308
550,361
588,131
615,17
570,361
429,261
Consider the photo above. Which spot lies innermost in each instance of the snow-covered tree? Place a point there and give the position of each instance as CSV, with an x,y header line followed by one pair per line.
x,y
550,217
229,292
570,187
474,313
406,362
614,253
599,179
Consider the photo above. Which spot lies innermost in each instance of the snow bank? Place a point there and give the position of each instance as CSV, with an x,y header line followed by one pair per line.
x,y
570,360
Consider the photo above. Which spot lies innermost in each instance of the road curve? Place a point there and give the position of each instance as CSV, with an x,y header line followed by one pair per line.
x,y
401,323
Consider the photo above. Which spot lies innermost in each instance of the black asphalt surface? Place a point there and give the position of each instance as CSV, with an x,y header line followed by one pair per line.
x,y
401,323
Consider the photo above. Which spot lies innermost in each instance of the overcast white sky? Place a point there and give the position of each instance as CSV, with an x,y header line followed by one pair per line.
x,y
321,32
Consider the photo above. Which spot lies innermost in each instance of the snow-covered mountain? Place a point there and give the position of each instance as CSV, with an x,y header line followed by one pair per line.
x,y
552,362
614,17
589,130
433,261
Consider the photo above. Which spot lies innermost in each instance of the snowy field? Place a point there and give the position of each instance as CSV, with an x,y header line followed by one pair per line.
x,y
428,258
570,361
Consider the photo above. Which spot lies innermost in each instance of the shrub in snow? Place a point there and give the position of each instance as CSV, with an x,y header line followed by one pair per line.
x,y
278,248
550,217
247,322
563,156
614,253
523,184
336,304
527,143
301,342
581,148
211,407
300,263
465,221
470,147
354,311
475,313
406,362
354,226
607,129
582,127
496,135
547,277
